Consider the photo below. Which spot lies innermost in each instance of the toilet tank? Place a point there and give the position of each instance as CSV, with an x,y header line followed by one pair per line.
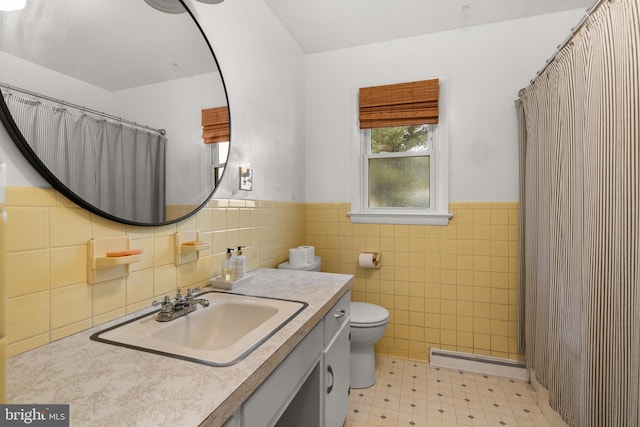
x,y
311,266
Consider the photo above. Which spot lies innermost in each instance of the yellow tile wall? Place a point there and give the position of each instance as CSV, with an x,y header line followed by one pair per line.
x,y
452,287
48,296
3,311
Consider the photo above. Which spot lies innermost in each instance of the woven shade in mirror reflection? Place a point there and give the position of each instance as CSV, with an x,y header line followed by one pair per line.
x,y
215,125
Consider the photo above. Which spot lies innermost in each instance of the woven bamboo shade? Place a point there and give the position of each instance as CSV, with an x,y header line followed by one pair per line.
x,y
400,104
215,125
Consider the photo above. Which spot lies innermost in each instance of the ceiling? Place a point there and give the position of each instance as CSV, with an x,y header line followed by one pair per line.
x,y
118,44
320,26
111,44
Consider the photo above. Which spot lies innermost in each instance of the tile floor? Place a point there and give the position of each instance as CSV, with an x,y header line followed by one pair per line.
x,y
409,393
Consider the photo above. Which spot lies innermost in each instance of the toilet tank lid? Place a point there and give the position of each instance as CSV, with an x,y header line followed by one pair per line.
x,y
364,312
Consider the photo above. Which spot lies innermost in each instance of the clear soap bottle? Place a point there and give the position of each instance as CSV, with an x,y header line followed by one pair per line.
x,y
228,267
240,263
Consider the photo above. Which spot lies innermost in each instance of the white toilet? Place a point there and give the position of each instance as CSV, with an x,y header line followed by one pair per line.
x,y
368,322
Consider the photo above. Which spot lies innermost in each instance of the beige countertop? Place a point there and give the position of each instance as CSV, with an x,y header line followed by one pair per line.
x,y
108,385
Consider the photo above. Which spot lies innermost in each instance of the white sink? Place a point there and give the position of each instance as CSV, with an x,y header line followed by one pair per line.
x,y
222,334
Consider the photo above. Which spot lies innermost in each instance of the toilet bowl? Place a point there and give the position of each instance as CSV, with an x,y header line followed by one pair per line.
x,y
368,322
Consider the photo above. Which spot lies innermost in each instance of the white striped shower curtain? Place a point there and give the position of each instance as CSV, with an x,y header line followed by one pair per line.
x,y
116,168
580,217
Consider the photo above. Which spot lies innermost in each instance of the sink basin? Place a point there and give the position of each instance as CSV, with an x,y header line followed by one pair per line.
x,y
219,335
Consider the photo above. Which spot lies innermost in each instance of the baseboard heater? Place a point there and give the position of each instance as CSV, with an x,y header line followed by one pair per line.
x,y
479,364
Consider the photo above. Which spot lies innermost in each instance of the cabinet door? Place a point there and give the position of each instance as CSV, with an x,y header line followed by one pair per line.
x,y
269,401
336,384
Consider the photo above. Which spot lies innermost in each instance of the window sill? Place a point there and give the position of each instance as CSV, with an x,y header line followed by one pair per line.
x,y
400,218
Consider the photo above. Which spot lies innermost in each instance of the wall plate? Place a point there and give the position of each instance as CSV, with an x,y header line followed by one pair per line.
x,y
246,179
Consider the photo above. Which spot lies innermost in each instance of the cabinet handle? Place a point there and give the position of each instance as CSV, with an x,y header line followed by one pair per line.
x,y
339,314
330,387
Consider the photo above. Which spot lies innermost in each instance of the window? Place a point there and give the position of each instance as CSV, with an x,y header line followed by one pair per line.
x,y
402,168
219,153
216,132
398,167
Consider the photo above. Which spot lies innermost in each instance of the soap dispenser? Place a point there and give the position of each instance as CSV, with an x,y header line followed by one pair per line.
x,y
228,267
240,264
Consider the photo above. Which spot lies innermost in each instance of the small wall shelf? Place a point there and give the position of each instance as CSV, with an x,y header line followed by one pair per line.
x,y
188,246
107,261
109,258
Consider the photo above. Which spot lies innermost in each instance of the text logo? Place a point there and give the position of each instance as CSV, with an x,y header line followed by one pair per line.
x,y
34,415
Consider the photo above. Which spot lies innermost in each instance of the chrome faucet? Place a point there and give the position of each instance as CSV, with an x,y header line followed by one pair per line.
x,y
179,306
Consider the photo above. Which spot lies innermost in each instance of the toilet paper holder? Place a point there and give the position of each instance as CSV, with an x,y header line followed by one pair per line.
x,y
369,259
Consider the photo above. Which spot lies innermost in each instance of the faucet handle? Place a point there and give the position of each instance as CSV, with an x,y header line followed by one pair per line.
x,y
179,296
166,303
161,301
191,298
190,292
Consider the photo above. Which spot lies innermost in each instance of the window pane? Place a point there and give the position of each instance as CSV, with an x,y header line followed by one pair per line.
x,y
399,182
400,139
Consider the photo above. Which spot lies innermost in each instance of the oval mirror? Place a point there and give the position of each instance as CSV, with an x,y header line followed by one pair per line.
x,y
119,106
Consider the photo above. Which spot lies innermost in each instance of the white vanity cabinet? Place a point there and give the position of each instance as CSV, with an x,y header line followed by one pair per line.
x,y
337,327
310,387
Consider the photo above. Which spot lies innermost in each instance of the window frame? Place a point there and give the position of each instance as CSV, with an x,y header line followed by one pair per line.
x,y
438,211
217,165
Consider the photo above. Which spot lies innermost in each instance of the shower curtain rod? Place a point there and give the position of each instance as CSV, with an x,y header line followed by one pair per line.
x,y
80,107
574,30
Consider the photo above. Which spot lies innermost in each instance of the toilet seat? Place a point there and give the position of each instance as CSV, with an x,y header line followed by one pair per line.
x,y
365,315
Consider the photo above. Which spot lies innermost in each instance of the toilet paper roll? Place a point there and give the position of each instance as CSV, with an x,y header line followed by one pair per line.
x,y
310,252
297,256
369,260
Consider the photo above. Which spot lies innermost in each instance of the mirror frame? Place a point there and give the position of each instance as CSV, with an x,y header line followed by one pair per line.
x,y
16,135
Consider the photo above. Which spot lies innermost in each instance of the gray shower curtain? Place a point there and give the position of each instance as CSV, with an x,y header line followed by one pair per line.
x,y
580,205
114,167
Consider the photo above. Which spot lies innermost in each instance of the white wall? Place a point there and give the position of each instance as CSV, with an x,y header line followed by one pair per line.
x,y
294,159
485,66
264,76
176,106
263,69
